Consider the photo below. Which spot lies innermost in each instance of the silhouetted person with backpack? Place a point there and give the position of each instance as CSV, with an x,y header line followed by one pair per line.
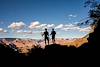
x,y
46,36
53,33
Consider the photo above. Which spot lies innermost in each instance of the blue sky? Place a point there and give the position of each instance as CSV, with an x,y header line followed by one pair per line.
x,y
54,13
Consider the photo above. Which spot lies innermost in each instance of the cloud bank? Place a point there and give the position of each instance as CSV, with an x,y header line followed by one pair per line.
x,y
17,25
36,25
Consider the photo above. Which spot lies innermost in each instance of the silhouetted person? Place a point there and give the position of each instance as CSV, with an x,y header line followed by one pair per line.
x,y
53,33
46,36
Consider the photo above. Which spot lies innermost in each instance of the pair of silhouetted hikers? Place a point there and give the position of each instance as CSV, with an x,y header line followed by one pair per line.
x,y
46,36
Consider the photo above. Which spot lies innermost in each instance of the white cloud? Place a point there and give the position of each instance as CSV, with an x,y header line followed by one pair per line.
x,y
37,25
87,29
34,25
24,32
59,26
42,26
17,25
71,28
38,31
75,27
50,25
28,31
69,25
71,15
3,31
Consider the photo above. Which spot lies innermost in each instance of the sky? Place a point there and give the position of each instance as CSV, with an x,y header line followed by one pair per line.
x,y
29,18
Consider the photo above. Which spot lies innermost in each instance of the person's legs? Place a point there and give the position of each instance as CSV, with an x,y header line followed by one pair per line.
x,y
48,40
45,41
53,40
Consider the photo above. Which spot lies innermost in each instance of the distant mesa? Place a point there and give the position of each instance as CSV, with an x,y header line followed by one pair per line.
x,y
25,45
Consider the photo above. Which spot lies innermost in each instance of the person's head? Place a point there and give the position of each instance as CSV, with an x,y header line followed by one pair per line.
x,y
45,29
52,29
